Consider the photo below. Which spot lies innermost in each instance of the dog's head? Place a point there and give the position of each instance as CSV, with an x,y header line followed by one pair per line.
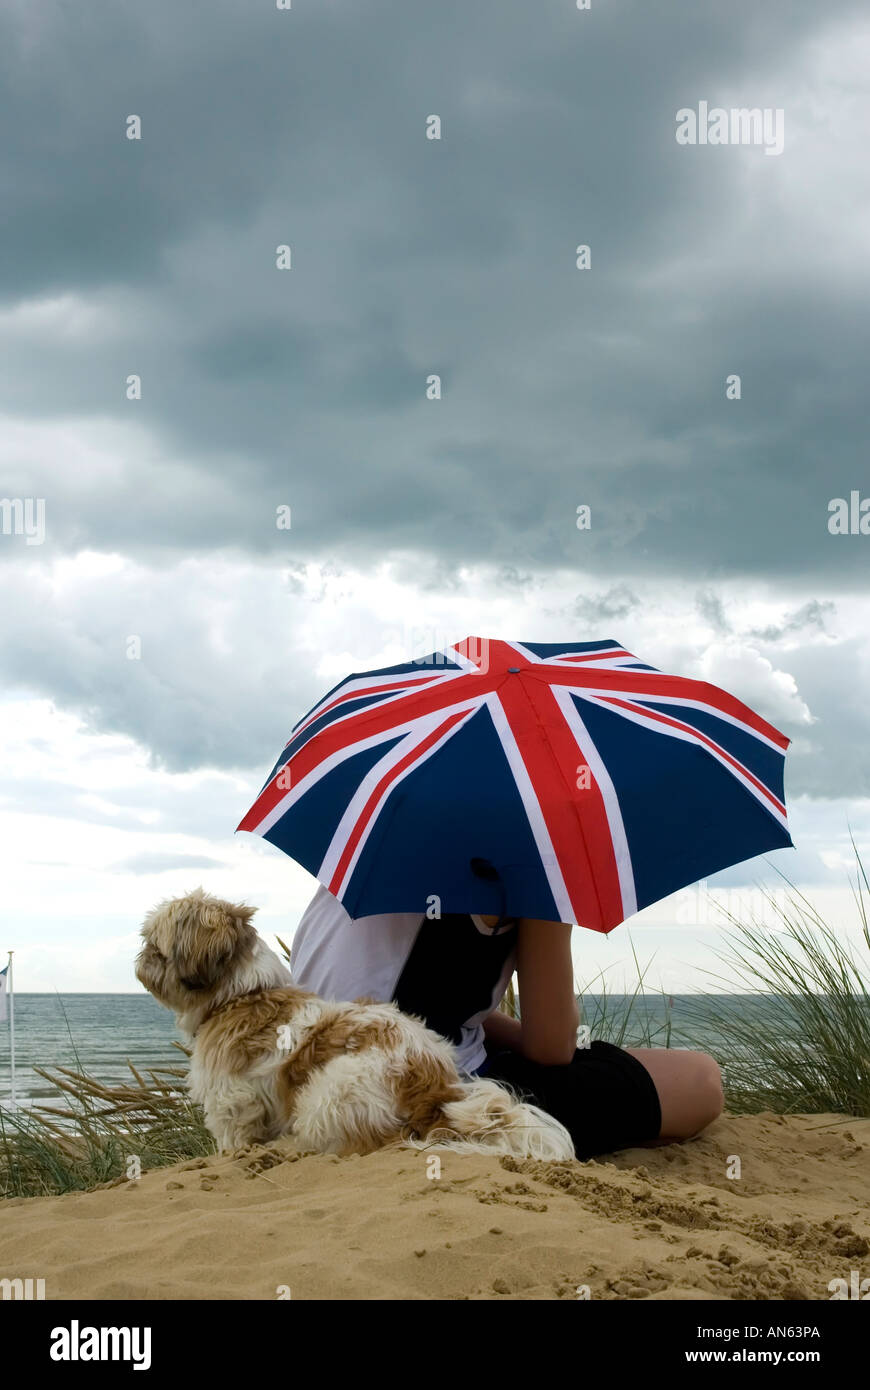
x,y
196,950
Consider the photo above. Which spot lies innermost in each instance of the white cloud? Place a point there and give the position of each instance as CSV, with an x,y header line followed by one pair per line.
x,y
771,692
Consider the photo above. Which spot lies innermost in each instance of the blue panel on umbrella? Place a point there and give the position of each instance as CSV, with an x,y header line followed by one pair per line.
x,y
766,763
461,803
545,649
299,740
685,816
306,829
437,661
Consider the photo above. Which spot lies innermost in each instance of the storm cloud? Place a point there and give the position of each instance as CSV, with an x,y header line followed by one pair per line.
x,y
455,257
256,480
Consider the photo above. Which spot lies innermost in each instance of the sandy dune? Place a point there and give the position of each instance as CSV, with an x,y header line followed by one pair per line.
x,y
661,1223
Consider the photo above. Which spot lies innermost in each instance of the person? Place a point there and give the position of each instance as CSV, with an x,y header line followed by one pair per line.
x,y
453,970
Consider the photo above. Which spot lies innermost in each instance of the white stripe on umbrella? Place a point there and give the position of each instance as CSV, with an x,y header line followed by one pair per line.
x,y
416,733
646,699
326,765
467,663
613,659
350,690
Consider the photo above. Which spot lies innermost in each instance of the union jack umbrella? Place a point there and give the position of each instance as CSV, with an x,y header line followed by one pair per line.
x,y
587,784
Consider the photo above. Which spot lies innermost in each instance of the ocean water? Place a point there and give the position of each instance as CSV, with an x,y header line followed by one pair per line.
x,y
100,1033
96,1033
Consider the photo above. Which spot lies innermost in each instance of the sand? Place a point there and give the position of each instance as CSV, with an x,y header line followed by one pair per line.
x,y
664,1223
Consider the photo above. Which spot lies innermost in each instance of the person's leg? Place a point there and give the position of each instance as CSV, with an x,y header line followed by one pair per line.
x,y
605,1097
689,1086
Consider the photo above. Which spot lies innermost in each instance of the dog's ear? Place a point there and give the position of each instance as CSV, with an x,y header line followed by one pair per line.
x,y
209,939
151,969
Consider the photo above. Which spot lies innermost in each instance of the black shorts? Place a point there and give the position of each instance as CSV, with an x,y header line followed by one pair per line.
x,y
604,1097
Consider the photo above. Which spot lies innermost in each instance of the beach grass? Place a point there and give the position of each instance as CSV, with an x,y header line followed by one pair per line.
x,y
809,1052
813,1047
100,1134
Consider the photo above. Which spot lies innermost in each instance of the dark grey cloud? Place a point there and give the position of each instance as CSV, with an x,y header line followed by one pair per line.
x,y
712,610
411,257
216,680
616,603
811,615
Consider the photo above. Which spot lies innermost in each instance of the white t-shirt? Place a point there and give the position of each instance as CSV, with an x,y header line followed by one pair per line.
x,y
450,971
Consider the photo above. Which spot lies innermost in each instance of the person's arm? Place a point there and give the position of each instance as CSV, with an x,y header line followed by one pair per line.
x,y
548,1006
547,1031
500,1030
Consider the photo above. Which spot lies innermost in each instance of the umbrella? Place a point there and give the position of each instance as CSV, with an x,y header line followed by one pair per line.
x,y
564,781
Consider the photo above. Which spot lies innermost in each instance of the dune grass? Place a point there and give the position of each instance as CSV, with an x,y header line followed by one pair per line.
x,y
808,1051
813,1047
101,1134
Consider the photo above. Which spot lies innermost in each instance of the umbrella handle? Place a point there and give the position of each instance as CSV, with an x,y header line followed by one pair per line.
x,y
484,869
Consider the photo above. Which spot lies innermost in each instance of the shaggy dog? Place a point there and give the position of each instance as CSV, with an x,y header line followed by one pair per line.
x,y
271,1059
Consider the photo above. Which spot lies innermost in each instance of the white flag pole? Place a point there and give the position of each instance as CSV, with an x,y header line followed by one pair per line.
x,y
11,1031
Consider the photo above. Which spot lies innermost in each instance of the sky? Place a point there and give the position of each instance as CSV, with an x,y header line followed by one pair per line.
x,y
167,391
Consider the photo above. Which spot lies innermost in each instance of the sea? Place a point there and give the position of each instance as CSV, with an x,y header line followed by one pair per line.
x,y
101,1033
94,1033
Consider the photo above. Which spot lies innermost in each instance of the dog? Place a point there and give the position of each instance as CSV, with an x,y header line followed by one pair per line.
x,y
270,1059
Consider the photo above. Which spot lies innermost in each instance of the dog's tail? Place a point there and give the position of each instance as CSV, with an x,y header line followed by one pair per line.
x,y
489,1119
